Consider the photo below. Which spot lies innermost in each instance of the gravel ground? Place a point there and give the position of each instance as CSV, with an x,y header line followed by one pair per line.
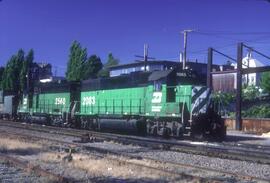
x,y
10,174
83,167
241,137
239,167
234,166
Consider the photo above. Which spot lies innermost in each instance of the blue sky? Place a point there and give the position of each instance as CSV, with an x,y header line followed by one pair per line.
x,y
123,26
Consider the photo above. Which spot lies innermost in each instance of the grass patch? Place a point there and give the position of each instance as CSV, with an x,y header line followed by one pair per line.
x,y
15,146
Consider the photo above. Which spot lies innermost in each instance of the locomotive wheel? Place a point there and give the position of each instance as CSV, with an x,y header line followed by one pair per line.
x,y
180,132
84,123
166,132
155,131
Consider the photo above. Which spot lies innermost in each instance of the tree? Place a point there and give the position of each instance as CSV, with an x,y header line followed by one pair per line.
x,y
77,57
12,72
250,92
91,67
2,69
265,82
25,71
111,62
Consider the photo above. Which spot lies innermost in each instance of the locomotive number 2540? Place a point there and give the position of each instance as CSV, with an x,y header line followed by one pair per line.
x,y
60,101
89,100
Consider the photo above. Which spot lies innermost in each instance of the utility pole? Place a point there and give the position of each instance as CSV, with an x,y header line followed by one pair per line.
x,y
145,55
55,71
209,68
248,62
238,120
185,32
181,57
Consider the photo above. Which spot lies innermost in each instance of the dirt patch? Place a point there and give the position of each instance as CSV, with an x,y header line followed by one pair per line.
x,y
94,167
112,166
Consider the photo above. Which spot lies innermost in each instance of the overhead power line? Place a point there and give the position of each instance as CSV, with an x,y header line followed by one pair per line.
x,y
230,33
232,44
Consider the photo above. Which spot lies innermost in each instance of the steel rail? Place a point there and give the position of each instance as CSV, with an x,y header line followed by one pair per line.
x,y
222,151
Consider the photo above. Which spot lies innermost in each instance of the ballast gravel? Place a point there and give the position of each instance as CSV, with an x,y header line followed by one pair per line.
x,y
227,165
10,174
233,166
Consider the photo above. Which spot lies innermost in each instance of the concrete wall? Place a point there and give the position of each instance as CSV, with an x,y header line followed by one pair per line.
x,y
258,126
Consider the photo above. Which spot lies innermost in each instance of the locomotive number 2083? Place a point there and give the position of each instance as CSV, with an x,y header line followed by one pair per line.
x,y
89,100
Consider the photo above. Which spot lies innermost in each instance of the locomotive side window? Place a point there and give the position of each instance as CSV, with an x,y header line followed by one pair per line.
x,y
37,100
171,94
157,86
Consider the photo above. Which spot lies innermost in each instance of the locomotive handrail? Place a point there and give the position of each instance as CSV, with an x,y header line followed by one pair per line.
x,y
134,106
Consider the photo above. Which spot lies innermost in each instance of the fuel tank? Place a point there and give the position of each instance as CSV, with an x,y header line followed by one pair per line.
x,y
136,126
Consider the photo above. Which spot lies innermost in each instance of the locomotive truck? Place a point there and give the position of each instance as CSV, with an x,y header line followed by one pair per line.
x,y
167,103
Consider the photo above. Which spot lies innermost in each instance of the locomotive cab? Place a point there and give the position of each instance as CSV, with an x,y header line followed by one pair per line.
x,y
180,107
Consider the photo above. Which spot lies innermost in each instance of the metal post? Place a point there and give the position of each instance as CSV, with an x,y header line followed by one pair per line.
x,y
209,68
185,50
145,55
238,120
113,107
122,107
28,86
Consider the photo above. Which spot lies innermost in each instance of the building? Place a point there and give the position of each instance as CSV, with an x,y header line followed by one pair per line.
x,y
161,65
253,78
141,66
226,82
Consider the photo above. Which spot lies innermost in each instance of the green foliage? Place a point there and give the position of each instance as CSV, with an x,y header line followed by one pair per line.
x,y
222,102
260,111
2,69
250,92
79,66
26,66
111,62
265,82
224,98
77,57
91,67
10,79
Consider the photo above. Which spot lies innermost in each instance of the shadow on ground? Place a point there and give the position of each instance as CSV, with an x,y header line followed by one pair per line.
x,y
133,180
233,138
20,151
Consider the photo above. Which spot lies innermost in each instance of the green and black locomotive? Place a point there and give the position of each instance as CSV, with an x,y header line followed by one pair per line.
x,y
167,103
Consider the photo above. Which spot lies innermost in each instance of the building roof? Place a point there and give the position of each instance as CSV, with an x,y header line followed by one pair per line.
x,y
141,63
156,62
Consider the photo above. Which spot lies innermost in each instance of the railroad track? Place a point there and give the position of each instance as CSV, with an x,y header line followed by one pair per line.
x,y
241,152
79,133
104,152
173,170
265,148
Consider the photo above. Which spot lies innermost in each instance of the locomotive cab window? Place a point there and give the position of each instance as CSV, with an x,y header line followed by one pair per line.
x,y
37,101
157,86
